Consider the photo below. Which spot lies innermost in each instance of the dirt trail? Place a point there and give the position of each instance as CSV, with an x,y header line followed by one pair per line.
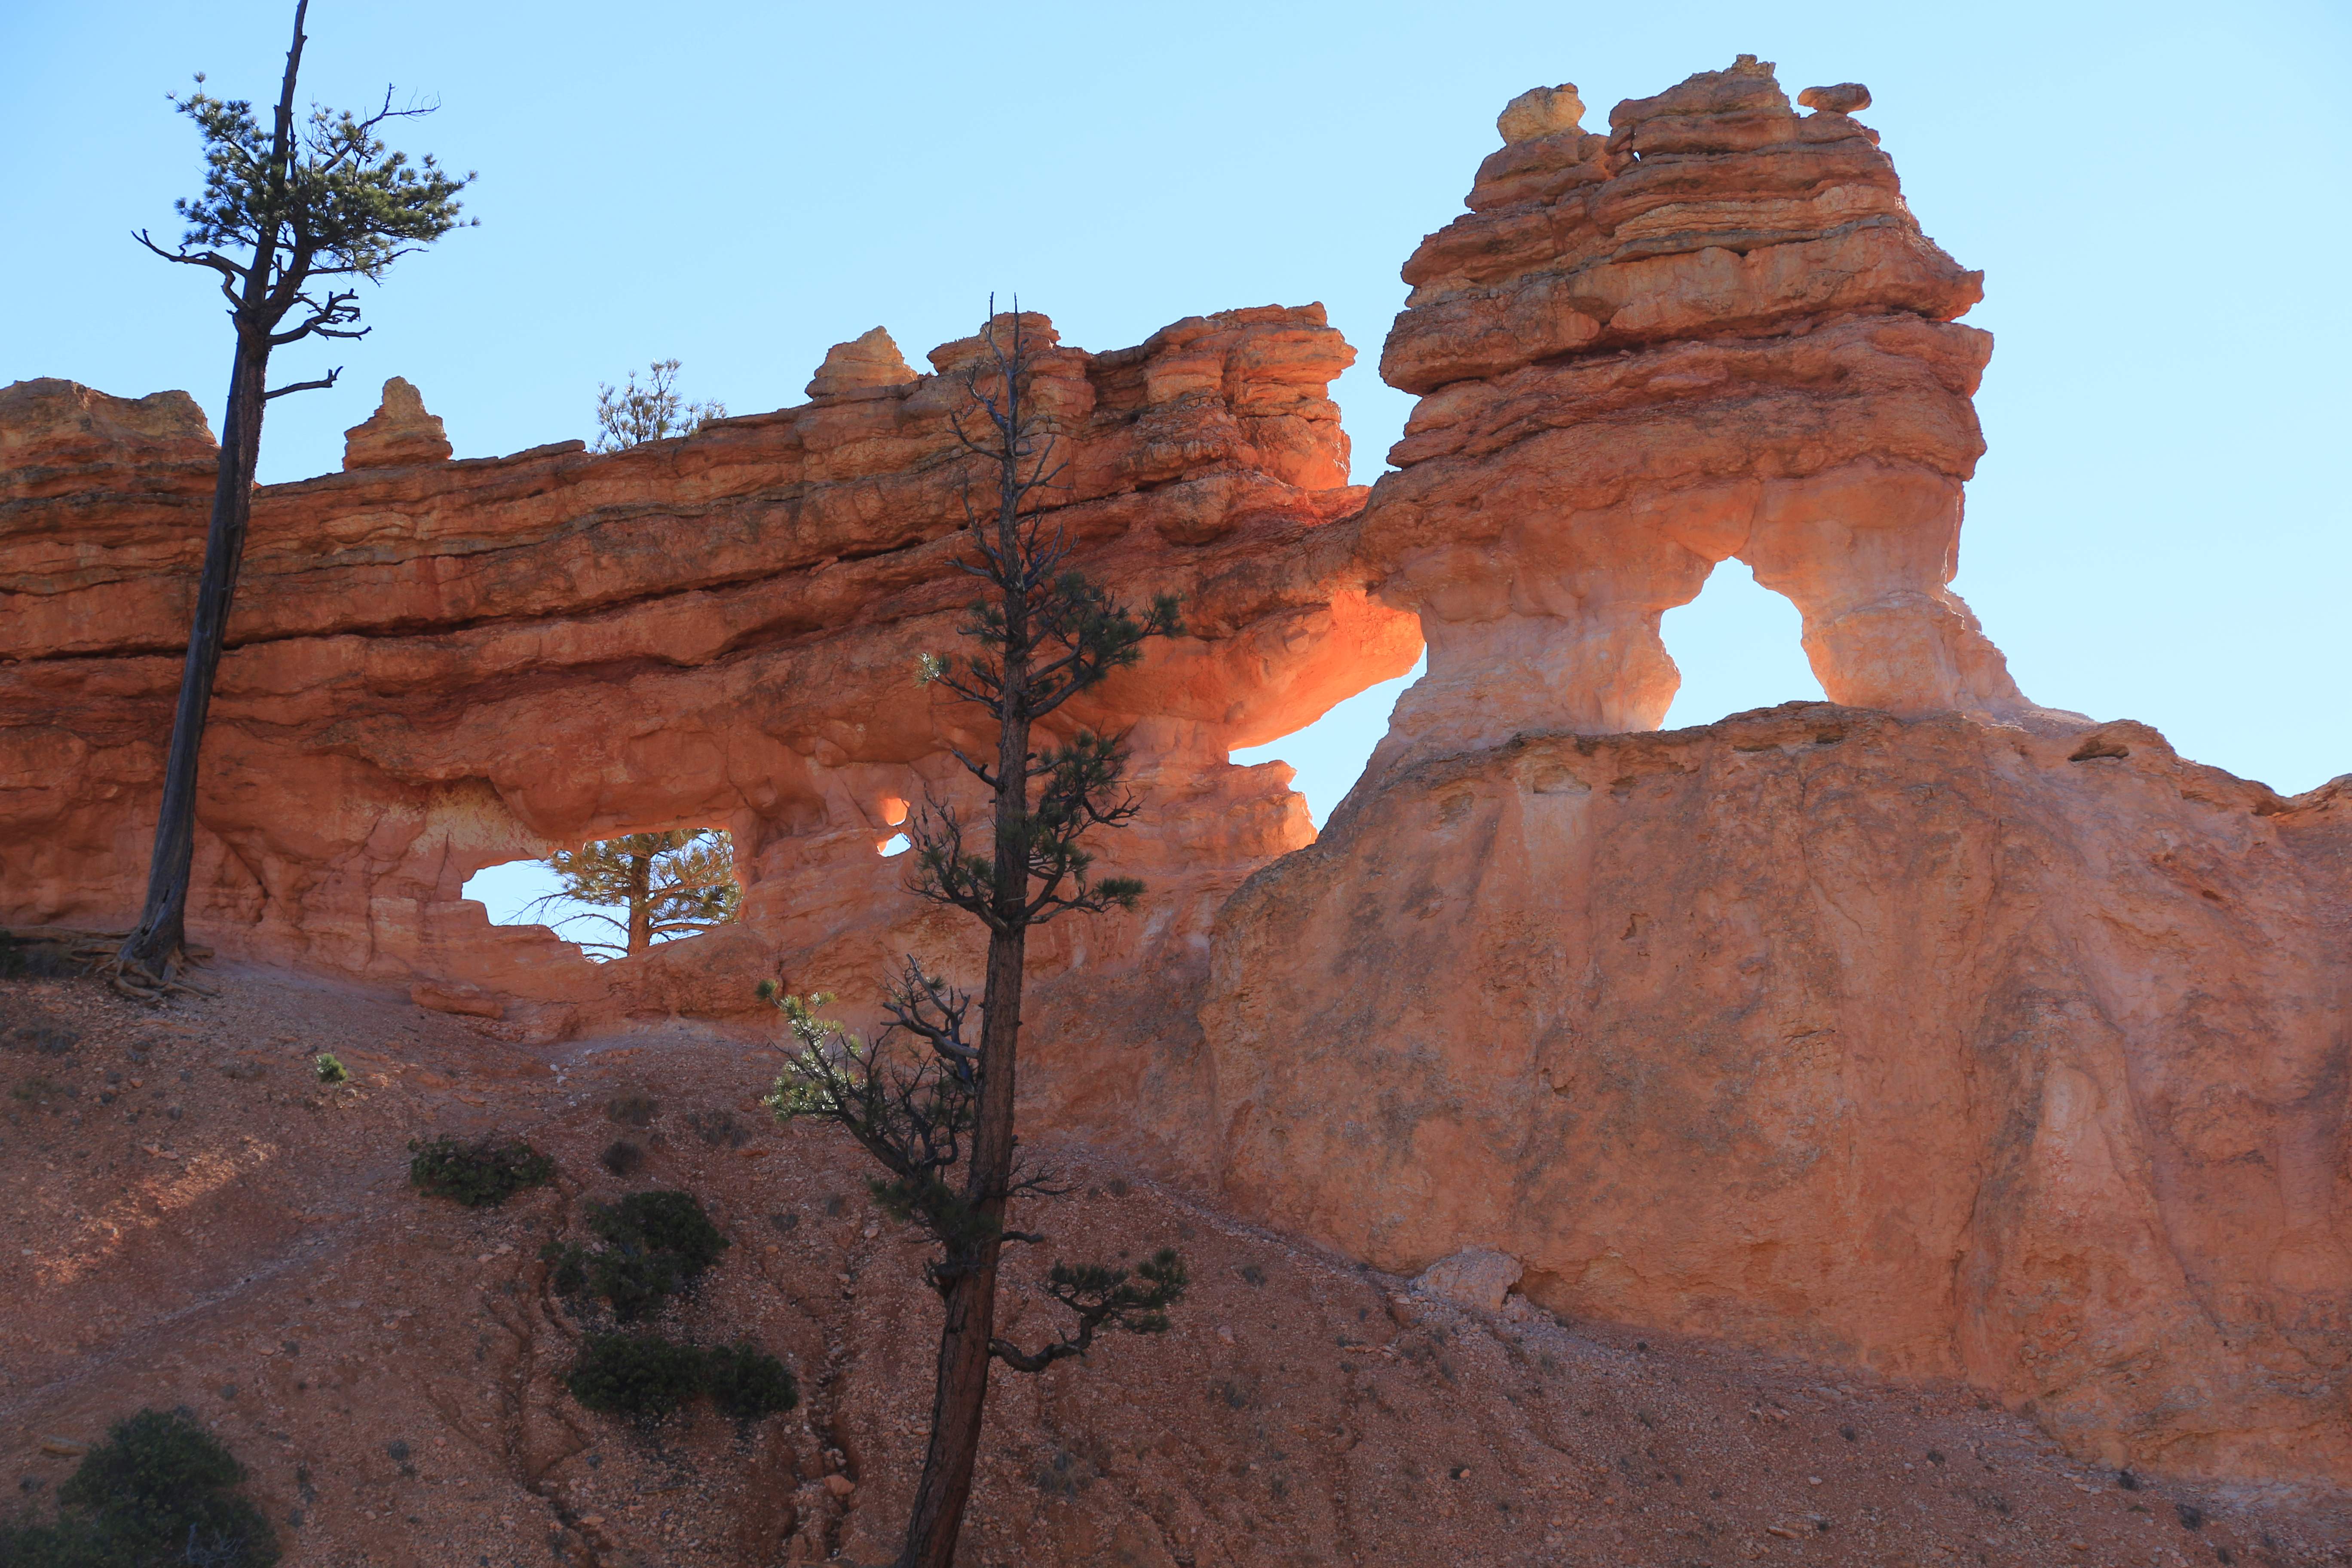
x,y
389,1367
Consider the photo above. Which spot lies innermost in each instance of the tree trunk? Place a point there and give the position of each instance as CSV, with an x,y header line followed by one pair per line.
x,y
641,903
959,1397
162,924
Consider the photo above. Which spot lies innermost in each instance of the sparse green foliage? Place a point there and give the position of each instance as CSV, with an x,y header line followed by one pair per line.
x,y
330,1071
481,1174
160,1490
664,885
747,1383
337,202
655,1245
631,415
1104,1299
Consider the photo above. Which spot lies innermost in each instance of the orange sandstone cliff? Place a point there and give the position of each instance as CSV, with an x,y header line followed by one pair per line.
x,y
436,666
1924,1028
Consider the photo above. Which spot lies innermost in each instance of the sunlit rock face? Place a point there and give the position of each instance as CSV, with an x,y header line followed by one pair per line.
x,y
399,434
1715,332
438,666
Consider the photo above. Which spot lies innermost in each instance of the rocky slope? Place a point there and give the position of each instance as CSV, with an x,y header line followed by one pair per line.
x,y
228,1236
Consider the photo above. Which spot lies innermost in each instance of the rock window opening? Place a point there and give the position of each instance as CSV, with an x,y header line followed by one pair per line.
x,y
1329,754
1738,645
893,812
616,898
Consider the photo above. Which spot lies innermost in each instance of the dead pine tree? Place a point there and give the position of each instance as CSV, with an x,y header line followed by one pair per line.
x,y
285,217
930,1101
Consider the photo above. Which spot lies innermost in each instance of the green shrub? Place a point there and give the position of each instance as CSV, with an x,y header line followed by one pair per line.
x,y
747,1383
656,1244
330,1071
478,1174
646,1376
158,1490
642,1376
662,1221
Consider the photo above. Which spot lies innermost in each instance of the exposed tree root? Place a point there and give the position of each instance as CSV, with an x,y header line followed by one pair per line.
x,y
100,953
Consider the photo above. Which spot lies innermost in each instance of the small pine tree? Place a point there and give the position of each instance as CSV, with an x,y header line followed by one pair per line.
x,y
665,885
629,415
931,1100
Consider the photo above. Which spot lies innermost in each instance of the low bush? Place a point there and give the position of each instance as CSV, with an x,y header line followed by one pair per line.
x,y
642,1376
160,1490
330,1071
656,1244
479,1175
621,1158
41,1038
22,959
719,1129
634,1109
646,1376
747,1383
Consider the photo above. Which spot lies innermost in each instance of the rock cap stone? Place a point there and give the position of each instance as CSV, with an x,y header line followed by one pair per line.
x,y
398,434
863,364
1844,98
1540,111
1037,335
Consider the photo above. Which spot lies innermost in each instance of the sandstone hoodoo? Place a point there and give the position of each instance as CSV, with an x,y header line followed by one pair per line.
x,y
400,432
1924,1030
1714,332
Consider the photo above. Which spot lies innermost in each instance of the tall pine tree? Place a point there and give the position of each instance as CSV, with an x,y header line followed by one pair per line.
x,y
286,215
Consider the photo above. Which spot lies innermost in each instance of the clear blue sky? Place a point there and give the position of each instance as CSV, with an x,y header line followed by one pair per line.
x,y
2158,194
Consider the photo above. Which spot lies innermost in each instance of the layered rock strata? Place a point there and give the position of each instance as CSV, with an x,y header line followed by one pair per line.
x,y
1714,332
441,666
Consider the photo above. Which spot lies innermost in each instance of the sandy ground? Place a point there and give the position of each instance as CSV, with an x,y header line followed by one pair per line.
x,y
190,1219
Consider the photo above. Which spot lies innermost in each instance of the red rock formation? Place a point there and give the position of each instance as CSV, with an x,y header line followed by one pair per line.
x,y
399,434
1924,1028
1715,332
441,667
1917,1045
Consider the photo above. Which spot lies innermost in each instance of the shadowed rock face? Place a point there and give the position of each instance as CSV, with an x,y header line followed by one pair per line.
x,y
1924,1028
1915,1044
